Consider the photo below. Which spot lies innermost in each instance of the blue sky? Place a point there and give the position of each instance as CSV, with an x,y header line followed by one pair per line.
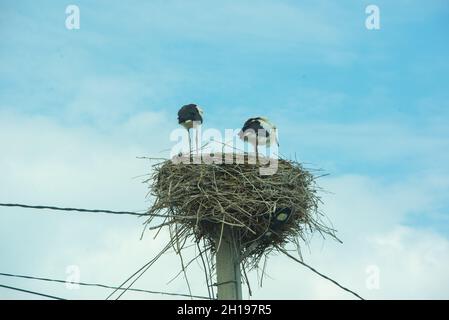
x,y
368,106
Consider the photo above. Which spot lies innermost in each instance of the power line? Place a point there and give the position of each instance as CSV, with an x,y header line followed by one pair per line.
x,y
319,273
133,213
142,270
32,292
98,285
72,209
143,214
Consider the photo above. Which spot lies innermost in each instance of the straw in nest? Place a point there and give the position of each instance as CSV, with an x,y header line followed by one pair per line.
x,y
200,200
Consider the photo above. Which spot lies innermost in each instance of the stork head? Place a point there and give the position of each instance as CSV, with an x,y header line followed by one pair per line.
x,y
264,121
200,111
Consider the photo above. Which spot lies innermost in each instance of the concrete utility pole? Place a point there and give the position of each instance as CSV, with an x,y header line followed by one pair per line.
x,y
229,281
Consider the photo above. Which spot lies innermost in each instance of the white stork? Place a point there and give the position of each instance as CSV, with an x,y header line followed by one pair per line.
x,y
190,116
259,131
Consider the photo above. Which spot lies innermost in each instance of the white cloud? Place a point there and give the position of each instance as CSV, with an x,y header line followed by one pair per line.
x,y
43,162
368,215
64,163
380,142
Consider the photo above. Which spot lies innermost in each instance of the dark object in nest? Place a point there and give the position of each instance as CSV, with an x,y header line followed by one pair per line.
x,y
263,212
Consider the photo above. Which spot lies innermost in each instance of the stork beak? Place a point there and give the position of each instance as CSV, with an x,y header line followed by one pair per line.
x,y
241,134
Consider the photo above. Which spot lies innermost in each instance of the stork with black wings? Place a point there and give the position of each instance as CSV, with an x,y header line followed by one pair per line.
x,y
259,131
190,116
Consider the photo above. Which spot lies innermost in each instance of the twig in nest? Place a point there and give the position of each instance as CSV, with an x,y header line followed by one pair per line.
x,y
204,198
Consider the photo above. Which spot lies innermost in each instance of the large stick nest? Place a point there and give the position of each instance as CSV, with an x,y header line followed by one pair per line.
x,y
203,199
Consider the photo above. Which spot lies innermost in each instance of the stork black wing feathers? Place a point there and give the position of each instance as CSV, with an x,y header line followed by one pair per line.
x,y
189,112
254,124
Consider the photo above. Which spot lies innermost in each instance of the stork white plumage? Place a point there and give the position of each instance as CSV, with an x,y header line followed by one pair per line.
x,y
259,131
190,116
